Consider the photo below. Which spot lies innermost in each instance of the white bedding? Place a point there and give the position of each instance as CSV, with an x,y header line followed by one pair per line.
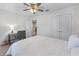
x,y
75,51
39,46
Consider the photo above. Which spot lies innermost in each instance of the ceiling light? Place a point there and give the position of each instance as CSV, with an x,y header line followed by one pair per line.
x,y
33,11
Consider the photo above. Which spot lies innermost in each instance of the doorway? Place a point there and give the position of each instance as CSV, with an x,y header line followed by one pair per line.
x,y
34,28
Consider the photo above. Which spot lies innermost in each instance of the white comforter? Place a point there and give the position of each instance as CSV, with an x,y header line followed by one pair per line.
x,y
39,46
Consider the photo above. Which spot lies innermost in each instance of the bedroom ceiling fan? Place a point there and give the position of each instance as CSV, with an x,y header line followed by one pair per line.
x,y
34,7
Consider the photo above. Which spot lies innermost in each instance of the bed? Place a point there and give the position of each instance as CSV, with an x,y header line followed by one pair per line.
x,y
39,46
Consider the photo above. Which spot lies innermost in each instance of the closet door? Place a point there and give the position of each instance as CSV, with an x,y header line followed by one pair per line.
x,y
64,26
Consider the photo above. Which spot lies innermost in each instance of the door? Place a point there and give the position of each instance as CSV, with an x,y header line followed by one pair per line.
x,y
64,26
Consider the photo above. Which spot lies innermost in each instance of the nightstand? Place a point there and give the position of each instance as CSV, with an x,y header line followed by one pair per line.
x,y
11,38
14,37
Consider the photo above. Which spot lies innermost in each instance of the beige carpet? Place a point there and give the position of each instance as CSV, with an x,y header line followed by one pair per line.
x,y
3,50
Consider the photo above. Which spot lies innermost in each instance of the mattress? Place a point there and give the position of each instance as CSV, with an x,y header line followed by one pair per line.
x,y
39,46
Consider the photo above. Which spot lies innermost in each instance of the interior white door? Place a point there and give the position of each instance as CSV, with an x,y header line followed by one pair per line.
x,y
64,26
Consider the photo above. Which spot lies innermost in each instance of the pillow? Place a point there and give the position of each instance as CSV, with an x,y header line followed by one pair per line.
x,y
73,41
75,51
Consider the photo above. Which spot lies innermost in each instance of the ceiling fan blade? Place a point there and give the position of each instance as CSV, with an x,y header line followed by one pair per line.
x,y
40,10
26,9
26,4
38,4
32,5
46,10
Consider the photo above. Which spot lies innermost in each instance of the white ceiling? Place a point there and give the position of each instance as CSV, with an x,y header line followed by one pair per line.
x,y
16,9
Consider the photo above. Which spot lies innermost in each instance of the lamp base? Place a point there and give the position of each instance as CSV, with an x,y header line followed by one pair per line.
x,y
12,31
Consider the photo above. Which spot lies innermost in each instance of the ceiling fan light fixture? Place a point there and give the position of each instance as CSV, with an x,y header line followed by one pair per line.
x,y
34,7
33,11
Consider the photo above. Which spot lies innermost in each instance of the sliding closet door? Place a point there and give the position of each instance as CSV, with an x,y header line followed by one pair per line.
x,y
64,26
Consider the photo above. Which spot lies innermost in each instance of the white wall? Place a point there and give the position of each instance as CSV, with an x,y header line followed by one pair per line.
x,y
20,27
3,33
28,28
43,24
76,19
